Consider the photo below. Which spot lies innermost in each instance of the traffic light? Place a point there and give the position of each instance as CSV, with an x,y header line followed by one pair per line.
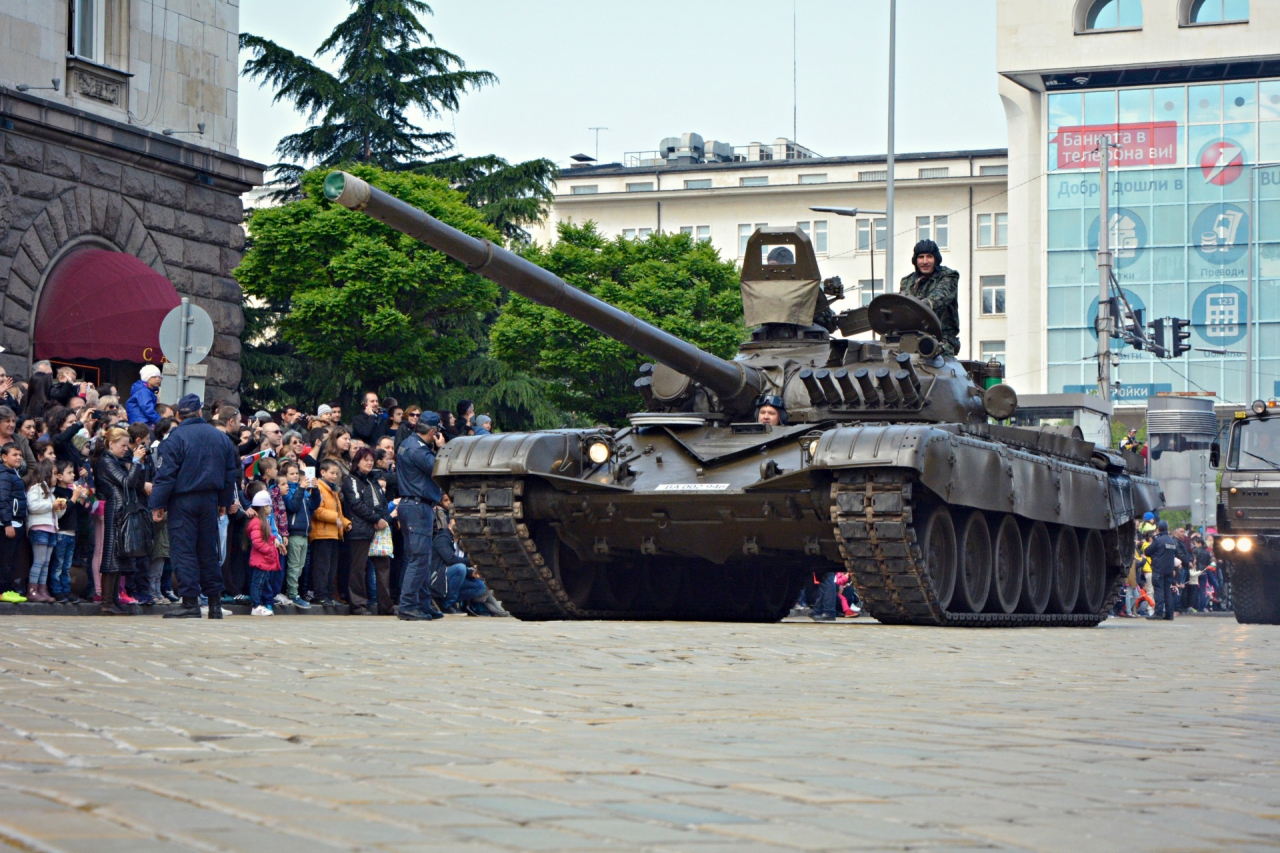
x,y
1181,336
1136,327
1114,315
1157,338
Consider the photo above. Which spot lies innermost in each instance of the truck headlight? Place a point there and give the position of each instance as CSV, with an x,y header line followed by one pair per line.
x,y
1227,544
1243,545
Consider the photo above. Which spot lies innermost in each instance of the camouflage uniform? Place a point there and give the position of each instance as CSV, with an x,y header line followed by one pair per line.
x,y
938,291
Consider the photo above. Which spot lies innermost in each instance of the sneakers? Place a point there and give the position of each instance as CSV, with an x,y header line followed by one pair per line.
x,y
173,597
301,603
822,617
12,597
282,600
414,616
260,610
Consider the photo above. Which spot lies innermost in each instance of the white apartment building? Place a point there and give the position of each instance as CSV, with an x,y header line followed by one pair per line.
x,y
1191,90
720,194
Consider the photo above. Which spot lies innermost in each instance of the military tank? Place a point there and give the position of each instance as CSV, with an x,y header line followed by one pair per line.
x,y
890,466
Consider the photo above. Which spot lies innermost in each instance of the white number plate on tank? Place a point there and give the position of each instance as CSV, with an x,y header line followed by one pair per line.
x,y
692,487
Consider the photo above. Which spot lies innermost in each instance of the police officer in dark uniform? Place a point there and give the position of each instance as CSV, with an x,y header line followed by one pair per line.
x,y
419,494
1163,550
196,470
938,287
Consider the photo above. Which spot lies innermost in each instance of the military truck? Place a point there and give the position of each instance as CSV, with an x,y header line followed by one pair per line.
x,y
888,464
1248,543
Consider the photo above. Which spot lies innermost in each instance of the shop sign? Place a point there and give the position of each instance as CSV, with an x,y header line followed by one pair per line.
x,y
1124,391
1143,144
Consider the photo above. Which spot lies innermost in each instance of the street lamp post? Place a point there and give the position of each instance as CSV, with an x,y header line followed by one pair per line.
x,y
854,211
888,245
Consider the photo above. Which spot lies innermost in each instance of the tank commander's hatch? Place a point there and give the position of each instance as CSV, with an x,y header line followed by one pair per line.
x,y
780,279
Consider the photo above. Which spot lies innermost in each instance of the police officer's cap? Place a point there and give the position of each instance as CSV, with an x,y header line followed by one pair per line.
x,y
1163,526
427,420
926,247
190,405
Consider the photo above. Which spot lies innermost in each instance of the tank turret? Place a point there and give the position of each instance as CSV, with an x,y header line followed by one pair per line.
x,y
888,463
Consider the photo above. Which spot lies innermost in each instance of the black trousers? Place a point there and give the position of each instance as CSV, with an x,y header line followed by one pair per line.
x,y
325,554
193,545
235,569
10,569
358,575
1166,596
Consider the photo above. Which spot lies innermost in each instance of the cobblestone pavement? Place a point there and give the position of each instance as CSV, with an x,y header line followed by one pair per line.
x,y
372,734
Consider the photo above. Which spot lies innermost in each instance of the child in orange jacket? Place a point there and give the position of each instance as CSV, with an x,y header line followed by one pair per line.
x,y
328,525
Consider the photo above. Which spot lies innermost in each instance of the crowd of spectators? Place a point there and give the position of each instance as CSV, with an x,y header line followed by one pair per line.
x,y
1173,572
314,520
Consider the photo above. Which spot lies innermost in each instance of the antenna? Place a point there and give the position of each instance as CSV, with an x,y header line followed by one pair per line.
x,y
597,130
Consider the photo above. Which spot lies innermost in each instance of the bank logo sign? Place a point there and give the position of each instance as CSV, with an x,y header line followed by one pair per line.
x,y
1219,315
1128,237
1222,162
1220,234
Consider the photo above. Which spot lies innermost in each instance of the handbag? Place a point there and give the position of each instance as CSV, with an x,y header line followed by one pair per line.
x,y
382,545
134,531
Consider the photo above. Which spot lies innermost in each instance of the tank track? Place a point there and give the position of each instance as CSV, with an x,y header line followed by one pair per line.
x,y
492,530
874,523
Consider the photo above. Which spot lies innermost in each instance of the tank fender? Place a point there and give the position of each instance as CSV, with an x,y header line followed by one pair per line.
x,y
512,454
968,471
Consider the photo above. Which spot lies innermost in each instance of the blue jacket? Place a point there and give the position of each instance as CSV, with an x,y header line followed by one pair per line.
x,y
299,504
414,464
13,498
195,457
141,405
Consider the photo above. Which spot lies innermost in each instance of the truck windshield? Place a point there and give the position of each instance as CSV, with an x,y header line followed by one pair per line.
x,y
1256,445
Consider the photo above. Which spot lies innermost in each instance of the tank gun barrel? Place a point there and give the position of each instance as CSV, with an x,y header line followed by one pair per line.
x,y
736,385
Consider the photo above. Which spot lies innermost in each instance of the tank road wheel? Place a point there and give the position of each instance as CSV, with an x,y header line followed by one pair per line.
x,y
660,586
973,580
617,585
939,548
576,577
1006,579
1066,571
1037,559
774,594
1255,593
1093,573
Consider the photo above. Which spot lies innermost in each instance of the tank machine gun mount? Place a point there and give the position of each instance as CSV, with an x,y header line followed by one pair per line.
x,y
888,466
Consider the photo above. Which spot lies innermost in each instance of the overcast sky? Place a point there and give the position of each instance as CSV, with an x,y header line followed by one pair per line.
x,y
721,68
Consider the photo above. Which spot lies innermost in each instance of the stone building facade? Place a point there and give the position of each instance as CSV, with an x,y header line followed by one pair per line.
x,y
134,153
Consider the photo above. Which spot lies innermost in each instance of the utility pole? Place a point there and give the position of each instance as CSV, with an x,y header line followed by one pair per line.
x,y
888,245
1103,323
597,130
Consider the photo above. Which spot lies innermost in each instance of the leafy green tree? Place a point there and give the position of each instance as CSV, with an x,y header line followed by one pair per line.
x,y
366,305
668,280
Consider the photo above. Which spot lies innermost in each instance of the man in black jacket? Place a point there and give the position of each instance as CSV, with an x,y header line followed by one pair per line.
x,y
196,470
1164,551
367,425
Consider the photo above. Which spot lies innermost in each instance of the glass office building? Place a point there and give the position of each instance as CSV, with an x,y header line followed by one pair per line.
x,y
1195,227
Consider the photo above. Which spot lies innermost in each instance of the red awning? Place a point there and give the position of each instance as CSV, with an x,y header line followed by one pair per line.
x,y
99,304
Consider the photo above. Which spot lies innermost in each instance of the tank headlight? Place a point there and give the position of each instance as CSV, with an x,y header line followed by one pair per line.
x,y
1243,545
1227,544
598,451
1259,407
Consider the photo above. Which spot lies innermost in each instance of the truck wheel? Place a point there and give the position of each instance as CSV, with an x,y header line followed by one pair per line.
x,y
1255,592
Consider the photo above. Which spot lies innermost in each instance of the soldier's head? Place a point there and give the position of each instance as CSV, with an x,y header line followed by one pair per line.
x,y
926,257
771,410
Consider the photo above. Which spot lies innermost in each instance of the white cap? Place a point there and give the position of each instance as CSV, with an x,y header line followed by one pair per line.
x,y
149,372
323,410
262,498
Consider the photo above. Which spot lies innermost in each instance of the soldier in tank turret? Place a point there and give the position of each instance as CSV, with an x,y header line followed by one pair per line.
x,y
937,286
771,411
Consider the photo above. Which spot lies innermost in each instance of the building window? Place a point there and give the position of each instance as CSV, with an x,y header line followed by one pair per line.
x,y
744,234
935,229
585,189
938,172
992,295
1215,12
699,184
864,234
640,187
1108,15
628,233
993,229
813,179
702,233
89,29
993,170
868,289
754,182
818,234
645,232
992,349
879,175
